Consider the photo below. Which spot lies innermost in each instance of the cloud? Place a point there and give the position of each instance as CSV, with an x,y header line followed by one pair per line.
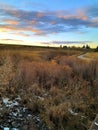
x,y
47,22
9,40
93,11
8,27
66,42
11,22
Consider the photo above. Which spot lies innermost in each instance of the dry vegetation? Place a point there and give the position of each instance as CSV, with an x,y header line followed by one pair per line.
x,y
54,83
92,55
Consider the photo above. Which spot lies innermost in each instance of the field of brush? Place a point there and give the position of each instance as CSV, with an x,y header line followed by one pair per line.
x,y
53,83
92,55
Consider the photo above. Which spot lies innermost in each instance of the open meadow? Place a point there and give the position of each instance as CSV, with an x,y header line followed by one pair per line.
x,y
93,55
43,88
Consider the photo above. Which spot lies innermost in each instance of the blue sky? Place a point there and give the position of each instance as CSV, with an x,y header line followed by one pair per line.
x,y
37,22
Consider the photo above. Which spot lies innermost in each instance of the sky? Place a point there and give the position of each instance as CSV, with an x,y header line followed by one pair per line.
x,y
49,22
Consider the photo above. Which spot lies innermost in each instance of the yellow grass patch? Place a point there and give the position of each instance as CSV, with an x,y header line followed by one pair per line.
x,y
92,55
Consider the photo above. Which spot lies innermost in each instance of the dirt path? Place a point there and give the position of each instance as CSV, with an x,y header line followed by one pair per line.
x,y
82,56
85,57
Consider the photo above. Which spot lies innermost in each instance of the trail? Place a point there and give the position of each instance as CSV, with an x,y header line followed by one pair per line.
x,y
82,56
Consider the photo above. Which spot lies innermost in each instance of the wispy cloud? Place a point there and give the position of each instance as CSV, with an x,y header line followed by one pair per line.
x,y
11,22
66,43
92,11
48,22
11,40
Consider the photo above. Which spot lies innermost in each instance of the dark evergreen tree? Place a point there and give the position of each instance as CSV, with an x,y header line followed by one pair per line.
x,y
96,49
87,46
83,46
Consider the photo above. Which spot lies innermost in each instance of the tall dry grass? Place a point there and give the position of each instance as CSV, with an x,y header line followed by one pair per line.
x,y
52,86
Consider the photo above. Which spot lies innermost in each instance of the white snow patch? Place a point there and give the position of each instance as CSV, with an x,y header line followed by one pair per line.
x,y
15,103
5,100
72,112
6,128
9,103
96,123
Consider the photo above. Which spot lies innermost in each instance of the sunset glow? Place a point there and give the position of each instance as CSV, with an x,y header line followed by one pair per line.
x,y
36,22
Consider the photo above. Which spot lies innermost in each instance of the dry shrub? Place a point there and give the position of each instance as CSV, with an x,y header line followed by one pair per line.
x,y
50,88
57,95
2,60
87,70
44,74
57,114
49,55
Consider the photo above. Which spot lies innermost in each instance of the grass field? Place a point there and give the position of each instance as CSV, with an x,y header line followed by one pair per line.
x,y
52,83
92,55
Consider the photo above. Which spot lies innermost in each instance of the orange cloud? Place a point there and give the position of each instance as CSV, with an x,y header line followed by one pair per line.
x,y
14,29
33,22
36,31
40,14
59,14
21,33
12,22
6,28
81,14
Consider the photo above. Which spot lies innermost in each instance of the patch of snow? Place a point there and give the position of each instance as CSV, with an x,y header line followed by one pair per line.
x,y
96,123
6,128
9,103
72,112
14,113
29,115
5,100
24,109
15,103
38,119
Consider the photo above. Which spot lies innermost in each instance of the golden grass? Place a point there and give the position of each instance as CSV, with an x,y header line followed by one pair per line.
x,y
92,55
33,55
52,87
37,54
